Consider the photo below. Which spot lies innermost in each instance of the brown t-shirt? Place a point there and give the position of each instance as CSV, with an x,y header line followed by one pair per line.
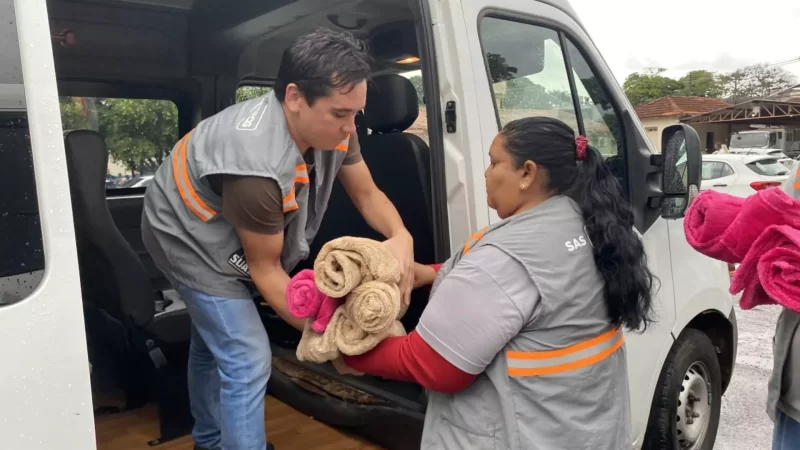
x,y
256,203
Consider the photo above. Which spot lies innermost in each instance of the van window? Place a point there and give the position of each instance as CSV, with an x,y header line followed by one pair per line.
x,y
139,134
22,259
244,93
510,59
715,169
420,126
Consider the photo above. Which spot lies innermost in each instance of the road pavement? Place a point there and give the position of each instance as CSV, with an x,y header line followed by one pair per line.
x,y
744,424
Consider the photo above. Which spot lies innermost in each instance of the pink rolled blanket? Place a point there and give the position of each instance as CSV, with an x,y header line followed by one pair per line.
x,y
302,296
770,271
325,313
707,218
761,210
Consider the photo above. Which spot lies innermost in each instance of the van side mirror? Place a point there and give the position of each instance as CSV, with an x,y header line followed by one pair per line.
x,y
680,169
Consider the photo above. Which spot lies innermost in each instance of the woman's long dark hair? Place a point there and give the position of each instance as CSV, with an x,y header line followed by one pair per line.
x,y
618,251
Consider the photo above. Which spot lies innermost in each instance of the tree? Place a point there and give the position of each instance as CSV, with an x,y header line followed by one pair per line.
x,y
139,133
644,87
251,92
702,83
757,81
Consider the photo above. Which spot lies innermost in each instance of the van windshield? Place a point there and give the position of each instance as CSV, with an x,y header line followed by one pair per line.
x,y
749,140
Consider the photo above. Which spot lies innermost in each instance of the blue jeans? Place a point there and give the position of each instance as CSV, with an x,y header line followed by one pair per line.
x,y
786,434
229,365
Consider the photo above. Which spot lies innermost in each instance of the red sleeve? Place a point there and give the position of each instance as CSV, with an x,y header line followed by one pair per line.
x,y
436,267
410,358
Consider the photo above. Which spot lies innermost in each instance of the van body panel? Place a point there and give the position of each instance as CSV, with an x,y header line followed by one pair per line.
x,y
45,388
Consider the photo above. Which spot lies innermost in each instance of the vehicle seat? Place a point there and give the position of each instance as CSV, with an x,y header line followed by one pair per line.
x,y
400,165
113,277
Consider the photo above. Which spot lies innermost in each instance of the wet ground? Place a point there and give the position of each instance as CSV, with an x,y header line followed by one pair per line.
x,y
744,423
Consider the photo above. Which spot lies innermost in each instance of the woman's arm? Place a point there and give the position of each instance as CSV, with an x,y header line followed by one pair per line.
x,y
471,317
410,358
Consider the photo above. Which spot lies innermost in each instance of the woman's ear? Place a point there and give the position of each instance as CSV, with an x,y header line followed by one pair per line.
x,y
529,174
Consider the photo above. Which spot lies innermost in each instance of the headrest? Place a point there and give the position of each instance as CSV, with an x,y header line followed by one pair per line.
x,y
87,161
391,104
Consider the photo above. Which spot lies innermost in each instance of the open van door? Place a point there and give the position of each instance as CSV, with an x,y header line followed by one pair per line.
x,y
45,396
534,58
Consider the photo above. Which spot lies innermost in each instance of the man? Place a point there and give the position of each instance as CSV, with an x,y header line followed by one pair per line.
x,y
240,198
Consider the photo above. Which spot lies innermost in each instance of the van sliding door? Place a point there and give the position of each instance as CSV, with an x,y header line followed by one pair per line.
x,y
45,397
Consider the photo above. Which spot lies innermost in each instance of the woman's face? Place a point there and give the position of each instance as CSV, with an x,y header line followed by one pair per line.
x,y
507,187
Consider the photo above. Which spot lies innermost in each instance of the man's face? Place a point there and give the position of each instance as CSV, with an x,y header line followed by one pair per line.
x,y
330,119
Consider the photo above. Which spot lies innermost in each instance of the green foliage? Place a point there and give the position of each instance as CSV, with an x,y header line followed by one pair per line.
x,y
751,82
644,87
251,92
139,133
702,83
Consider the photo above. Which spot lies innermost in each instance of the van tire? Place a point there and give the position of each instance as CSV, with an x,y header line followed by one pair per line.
x,y
693,349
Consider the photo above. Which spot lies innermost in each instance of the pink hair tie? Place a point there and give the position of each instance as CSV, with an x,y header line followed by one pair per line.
x,y
580,147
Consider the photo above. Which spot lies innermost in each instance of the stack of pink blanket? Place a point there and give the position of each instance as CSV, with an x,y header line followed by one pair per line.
x,y
306,301
762,232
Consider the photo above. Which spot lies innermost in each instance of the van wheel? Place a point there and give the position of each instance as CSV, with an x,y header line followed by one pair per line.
x,y
686,404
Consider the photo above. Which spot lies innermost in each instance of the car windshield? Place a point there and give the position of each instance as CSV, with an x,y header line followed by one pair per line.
x,y
749,140
768,167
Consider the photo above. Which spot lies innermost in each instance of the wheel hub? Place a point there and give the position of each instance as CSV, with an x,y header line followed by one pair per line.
x,y
694,407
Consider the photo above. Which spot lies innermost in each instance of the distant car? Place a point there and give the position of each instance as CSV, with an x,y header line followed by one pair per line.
x,y
782,157
742,175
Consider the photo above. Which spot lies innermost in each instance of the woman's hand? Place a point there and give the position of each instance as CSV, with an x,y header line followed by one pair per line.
x,y
423,275
343,368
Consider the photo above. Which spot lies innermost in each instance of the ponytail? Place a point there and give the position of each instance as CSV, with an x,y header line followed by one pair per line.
x,y
618,252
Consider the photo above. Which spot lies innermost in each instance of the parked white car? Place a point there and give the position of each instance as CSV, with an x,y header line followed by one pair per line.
x,y
782,157
742,175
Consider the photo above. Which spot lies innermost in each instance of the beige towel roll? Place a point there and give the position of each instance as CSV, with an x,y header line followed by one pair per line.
x,y
374,306
345,262
352,340
320,347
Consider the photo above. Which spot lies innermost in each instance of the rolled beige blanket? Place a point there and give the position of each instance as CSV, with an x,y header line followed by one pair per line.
x,y
352,340
320,347
345,262
374,306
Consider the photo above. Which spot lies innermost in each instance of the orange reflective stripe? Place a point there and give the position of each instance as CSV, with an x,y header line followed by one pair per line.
x,y
797,182
473,239
578,356
344,145
289,202
301,174
185,188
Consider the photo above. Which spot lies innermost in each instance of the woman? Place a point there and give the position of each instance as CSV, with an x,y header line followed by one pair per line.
x,y
520,345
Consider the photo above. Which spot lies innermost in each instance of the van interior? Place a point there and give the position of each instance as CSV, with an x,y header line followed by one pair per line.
x,y
133,77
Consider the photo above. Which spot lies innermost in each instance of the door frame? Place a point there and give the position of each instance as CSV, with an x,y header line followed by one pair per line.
x,y
46,391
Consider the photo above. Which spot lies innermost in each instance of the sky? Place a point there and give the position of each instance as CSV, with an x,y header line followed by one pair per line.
x,y
684,35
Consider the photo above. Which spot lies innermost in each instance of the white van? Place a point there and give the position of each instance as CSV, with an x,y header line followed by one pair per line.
x,y
78,287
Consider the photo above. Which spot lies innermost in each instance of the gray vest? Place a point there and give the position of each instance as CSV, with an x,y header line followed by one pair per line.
x,y
784,389
182,225
562,382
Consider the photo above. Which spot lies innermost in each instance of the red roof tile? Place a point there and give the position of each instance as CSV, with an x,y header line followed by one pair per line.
x,y
679,106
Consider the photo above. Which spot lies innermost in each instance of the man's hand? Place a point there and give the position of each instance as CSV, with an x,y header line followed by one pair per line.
x,y
383,217
402,247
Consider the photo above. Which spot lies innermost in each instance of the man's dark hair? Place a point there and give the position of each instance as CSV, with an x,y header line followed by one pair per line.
x,y
321,61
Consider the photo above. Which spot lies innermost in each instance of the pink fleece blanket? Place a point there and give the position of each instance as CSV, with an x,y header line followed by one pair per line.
x,y
724,227
707,218
770,272
306,301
